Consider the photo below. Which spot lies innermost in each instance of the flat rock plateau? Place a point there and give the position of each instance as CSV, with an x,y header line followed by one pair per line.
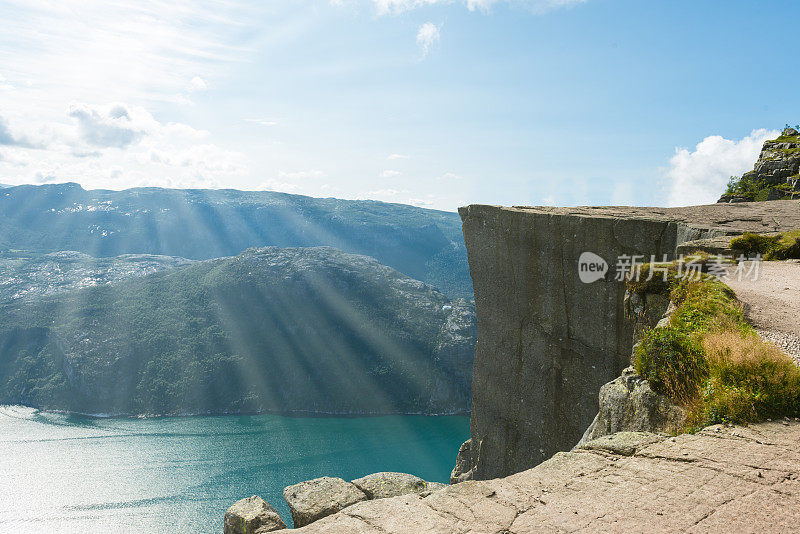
x,y
722,479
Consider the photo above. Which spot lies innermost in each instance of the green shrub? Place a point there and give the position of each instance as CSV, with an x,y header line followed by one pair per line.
x,y
788,246
673,362
705,305
752,244
776,247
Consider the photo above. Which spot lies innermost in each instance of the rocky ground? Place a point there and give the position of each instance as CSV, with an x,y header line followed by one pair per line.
x,y
760,217
771,302
723,479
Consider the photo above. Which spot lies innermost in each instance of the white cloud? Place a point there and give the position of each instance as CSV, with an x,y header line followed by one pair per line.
x,y
279,186
383,193
197,84
4,85
390,174
421,202
117,146
13,138
450,176
128,50
113,126
427,36
397,156
296,182
700,176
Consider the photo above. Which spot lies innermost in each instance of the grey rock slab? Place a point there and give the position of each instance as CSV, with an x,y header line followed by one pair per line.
x,y
388,484
314,499
252,515
547,342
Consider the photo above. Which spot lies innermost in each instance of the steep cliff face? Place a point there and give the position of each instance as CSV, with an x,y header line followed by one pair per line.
x,y
547,342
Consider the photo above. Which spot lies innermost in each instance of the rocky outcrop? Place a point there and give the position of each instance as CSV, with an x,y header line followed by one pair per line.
x,y
628,404
722,479
547,342
776,173
252,516
314,499
385,485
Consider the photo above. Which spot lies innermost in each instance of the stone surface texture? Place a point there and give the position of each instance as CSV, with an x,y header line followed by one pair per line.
x,y
722,479
770,292
252,515
314,499
547,342
386,484
628,404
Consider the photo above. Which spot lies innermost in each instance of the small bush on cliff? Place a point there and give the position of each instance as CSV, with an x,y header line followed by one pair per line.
x,y
752,244
673,362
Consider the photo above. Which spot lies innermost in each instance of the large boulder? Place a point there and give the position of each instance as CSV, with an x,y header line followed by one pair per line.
x,y
385,484
627,404
321,497
252,515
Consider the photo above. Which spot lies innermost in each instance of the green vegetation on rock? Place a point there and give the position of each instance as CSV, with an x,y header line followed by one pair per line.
x,y
710,360
772,247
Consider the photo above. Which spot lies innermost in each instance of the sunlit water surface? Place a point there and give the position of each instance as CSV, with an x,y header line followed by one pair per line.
x,y
65,473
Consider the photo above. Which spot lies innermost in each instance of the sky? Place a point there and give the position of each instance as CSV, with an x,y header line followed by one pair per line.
x,y
436,103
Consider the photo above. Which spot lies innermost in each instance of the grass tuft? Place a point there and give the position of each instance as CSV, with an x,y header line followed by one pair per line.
x,y
750,381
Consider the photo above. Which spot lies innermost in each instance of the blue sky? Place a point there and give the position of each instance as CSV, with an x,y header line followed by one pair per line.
x,y
431,102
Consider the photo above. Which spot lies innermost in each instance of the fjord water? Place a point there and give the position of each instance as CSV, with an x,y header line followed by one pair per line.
x,y
67,473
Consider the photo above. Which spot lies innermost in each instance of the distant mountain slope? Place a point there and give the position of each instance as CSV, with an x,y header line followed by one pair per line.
x,y
202,224
286,330
32,274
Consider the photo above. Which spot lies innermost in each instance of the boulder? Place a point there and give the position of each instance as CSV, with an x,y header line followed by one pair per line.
x,y
385,484
252,515
622,443
321,497
627,404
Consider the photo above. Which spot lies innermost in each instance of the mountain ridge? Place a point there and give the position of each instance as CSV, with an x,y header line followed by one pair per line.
x,y
203,223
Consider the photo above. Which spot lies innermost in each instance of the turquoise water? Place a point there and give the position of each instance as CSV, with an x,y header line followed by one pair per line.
x,y
62,473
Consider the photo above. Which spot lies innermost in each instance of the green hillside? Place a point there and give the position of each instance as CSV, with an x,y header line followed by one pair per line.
x,y
284,330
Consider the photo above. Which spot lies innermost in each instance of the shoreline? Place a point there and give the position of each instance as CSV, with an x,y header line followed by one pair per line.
x,y
292,414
